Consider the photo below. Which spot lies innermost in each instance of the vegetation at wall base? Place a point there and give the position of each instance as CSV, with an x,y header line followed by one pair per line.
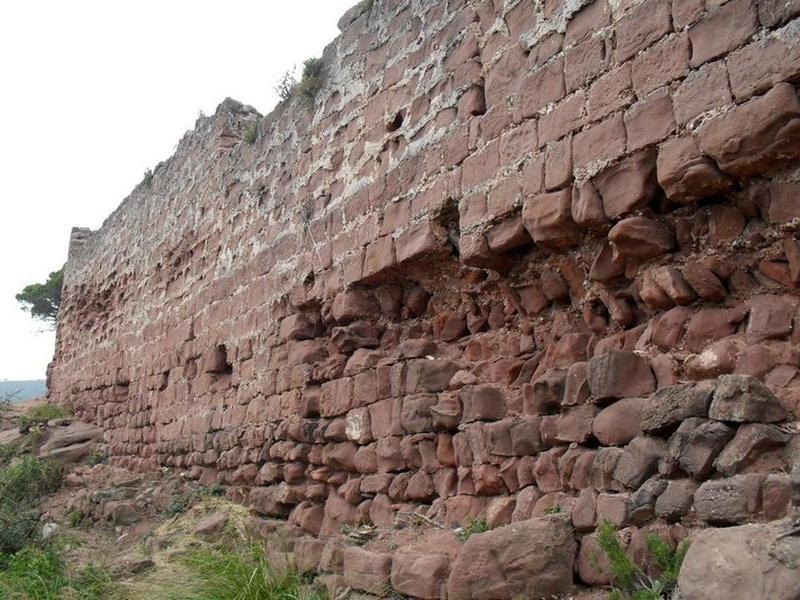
x,y
242,572
630,581
40,573
22,486
477,525
41,414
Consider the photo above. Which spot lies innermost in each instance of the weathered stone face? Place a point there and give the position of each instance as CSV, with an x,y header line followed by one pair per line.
x,y
511,258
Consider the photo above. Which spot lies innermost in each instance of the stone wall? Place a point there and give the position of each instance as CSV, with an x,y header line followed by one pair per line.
x,y
517,258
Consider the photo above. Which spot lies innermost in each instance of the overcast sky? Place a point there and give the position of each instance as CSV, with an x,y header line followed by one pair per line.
x,y
93,93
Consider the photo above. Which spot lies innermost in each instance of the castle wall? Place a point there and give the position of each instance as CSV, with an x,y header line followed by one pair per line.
x,y
465,280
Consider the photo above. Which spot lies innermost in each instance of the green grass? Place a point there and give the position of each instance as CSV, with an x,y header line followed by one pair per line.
x,y
41,574
178,505
147,179
251,133
75,518
22,486
7,452
41,414
96,457
311,82
474,526
630,581
29,479
214,490
28,570
232,573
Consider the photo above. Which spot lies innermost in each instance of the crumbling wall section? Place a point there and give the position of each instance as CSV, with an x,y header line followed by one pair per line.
x,y
470,278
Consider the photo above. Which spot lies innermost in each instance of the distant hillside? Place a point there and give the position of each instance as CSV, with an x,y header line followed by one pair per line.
x,y
23,390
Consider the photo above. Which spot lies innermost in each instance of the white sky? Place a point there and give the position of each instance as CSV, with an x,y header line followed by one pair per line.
x,y
93,93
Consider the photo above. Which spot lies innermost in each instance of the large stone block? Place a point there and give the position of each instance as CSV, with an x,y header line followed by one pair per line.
x,y
548,218
741,563
729,501
530,559
367,571
671,405
744,399
420,575
620,374
757,136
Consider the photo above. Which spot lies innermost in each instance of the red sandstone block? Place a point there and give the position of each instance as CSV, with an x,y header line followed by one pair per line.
x,y
548,218
379,256
430,199
703,90
504,197
420,575
516,142
336,397
589,19
686,12
599,143
566,117
482,403
610,92
722,30
763,63
474,251
586,61
649,121
480,166
544,87
772,13
503,79
533,175
456,146
395,215
471,210
684,174
660,64
496,120
472,102
547,48
521,18
758,135
558,165
420,239
366,571
641,27
364,389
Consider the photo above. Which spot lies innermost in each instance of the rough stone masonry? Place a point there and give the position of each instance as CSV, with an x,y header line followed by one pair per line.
x,y
518,258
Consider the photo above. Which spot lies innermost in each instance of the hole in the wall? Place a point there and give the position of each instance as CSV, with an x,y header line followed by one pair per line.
x,y
396,122
448,218
219,363
227,369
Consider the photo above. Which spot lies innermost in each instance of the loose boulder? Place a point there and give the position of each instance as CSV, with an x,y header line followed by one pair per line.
x,y
742,563
419,575
70,443
530,559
